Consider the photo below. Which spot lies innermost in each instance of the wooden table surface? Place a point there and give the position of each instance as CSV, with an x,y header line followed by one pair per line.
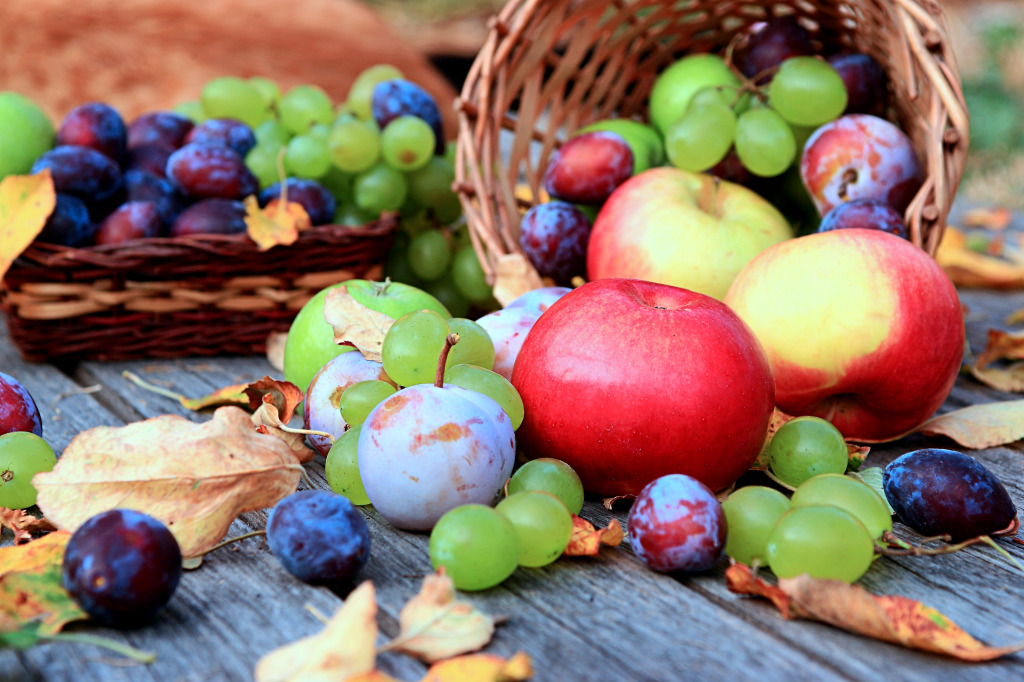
x,y
606,618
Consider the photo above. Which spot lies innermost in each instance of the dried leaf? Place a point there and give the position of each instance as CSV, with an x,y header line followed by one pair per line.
x,y
989,218
286,396
196,478
354,324
229,395
481,668
969,268
26,201
587,540
267,421
980,426
1002,345
1008,379
609,502
343,649
514,276
888,618
31,587
277,224
435,625
23,524
275,349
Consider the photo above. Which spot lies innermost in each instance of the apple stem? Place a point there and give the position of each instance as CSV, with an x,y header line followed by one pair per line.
x,y
449,341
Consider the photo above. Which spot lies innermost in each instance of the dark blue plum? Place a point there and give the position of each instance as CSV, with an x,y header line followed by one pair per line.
x,y
140,185
777,41
131,220
203,171
18,411
97,126
865,82
69,224
870,214
940,492
398,97
554,238
159,127
318,201
84,172
319,537
226,131
122,567
210,216
151,158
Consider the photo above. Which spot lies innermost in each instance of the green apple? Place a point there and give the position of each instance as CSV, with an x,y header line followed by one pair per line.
x,y
676,86
22,456
310,341
25,133
644,140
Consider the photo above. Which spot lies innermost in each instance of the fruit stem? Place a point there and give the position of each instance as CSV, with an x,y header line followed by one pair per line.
x,y
237,538
138,381
95,640
449,341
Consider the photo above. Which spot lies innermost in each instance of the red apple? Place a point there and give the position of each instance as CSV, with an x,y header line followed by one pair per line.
x,y
861,327
689,230
627,380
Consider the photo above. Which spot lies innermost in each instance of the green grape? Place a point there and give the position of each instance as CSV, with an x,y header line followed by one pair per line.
x,y
431,187
807,91
354,145
822,541
542,522
444,290
412,347
267,87
272,132
676,86
26,133
469,277
806,447
192,110
231,97
380,188
849,494
414,222
262,161
494,386
702,137
429,255
360,94
407,143
477,546
321,132
764,142
751,513
358,399
339,184
450,147
396,267
304,105
475,346
306,157
353,216
342,468
550,475
22,456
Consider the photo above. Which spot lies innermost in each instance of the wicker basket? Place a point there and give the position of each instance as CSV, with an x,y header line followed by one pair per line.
x,y
551,66
198,295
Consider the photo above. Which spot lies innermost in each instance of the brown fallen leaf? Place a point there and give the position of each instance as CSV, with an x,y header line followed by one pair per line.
x,y
196,478
31,587
586,540
481,668
277,224
980,426
968,268
26,201
354,324
889,618
267,420
343,649
275,349
435,625
23,524
286,396
1002,345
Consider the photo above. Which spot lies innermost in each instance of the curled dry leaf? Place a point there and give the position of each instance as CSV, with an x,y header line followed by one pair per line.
x,y
435,625
609,502
26,201
354,324
344,649
196,478
481,668
23,524
277,224
285,396
889,618
31,587
967,267
267,421
587,540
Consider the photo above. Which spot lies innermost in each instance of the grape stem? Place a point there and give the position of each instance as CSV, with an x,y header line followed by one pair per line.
x,y
906,549
117,647
449,341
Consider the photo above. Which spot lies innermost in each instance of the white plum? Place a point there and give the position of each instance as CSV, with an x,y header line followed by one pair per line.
x,y
320,409
508,328
539,300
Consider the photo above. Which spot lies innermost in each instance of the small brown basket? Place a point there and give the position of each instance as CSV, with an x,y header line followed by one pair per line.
x,y
549,67
164,298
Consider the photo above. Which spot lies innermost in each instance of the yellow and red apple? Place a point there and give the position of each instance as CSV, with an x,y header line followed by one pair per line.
x,y
861,328
690,230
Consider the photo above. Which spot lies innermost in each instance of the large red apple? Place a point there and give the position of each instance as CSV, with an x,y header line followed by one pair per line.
x,y
861,327
628,380
686,229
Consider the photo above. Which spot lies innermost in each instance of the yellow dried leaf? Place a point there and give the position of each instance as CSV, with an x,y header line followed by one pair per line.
x,y
969,268
196,478
354,324
26,201
345,647
514,276
586,540
31,587
481,668
1009,379
435,625
277,224
980,426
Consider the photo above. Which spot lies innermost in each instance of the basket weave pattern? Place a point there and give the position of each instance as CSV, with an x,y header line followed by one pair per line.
x,y
198,295
549,67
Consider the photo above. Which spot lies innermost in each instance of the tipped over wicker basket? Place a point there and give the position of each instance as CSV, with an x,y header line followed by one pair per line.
x,y
549,67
